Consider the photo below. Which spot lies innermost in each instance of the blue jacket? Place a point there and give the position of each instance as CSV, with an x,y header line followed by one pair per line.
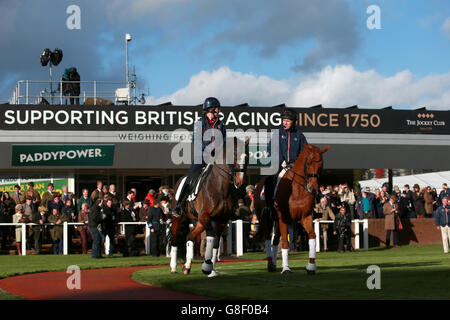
x,y
440,218
290,144
442,195
207,125
359,203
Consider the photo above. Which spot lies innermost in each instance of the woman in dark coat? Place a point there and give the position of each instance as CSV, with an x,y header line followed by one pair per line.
x,y
418,202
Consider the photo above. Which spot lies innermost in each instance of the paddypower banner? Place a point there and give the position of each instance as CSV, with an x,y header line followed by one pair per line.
x,y
62,155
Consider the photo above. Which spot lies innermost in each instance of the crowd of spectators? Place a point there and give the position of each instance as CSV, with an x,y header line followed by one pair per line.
x,y
342,204
98,214
100,211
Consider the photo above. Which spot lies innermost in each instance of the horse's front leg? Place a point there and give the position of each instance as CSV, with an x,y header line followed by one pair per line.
x,y
218,230
284,248
190,246
308,225
212,241
173,241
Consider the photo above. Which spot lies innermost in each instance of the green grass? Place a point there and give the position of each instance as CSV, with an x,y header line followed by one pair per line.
x,y
410,272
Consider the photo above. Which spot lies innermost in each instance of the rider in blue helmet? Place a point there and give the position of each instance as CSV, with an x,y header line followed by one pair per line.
x,y
290,144
210,120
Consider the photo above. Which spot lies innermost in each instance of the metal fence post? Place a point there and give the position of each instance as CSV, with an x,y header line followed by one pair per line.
x,y
24,239
230,238
147,239
65,242
366,234
95,93
239,238
317,232
60,92
356,234
27,91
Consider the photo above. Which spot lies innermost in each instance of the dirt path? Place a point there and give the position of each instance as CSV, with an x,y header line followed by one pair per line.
x,y
104,284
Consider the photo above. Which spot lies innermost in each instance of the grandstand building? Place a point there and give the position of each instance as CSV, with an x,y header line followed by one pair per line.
x,y
132,146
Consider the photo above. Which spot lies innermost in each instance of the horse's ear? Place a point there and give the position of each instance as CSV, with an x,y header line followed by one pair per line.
x,y
325,149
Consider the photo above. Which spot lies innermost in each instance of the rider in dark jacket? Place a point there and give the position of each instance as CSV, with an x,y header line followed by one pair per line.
x,y
290,144
210,120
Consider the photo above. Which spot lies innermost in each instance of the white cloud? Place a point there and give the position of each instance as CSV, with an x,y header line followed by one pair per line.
x,y
339,86
446,27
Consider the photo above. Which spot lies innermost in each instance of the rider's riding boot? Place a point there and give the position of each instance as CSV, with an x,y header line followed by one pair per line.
x,y
176,212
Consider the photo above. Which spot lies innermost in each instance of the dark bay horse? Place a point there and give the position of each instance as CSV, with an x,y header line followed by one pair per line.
x,y
214,205
294,200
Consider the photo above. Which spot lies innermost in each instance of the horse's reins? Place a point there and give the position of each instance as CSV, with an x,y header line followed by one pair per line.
x,y
232,172
308,175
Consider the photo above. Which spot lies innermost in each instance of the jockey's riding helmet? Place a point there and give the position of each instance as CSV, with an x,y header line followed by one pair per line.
x,y
290,114
210,102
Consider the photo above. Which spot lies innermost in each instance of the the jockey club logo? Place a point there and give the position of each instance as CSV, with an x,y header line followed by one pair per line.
x,y
425,120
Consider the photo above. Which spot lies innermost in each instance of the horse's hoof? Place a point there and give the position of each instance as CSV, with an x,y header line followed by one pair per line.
x,y
213,274
173,272
186,270
207,267
311,268
271,268
286,271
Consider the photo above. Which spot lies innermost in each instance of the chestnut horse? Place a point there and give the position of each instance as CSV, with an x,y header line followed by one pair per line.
x,y
294,201
214,205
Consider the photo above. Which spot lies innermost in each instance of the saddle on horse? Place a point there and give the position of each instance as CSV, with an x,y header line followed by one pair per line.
x,y
270,189
189,191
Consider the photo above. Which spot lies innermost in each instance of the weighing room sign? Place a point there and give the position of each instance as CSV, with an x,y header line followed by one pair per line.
x,y
62,155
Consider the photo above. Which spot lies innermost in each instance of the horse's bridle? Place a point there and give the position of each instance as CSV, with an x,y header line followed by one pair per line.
x,y
308,175
232,172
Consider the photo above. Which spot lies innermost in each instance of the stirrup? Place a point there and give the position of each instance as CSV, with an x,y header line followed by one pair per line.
x,y
176,212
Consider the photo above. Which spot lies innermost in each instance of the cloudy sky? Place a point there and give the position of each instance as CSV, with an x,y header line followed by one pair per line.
x,y
298,52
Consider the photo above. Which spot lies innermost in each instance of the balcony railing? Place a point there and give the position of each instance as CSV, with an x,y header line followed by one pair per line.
x,y
31,92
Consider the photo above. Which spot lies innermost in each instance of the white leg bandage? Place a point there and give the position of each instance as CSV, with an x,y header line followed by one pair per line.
x,y
189,253
285,259
214,258
312,248
209,248
173,259
220,248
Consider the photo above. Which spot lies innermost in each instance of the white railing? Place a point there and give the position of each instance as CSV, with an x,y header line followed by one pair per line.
x,y
357,223
32,92
238,244
65,234
239,237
